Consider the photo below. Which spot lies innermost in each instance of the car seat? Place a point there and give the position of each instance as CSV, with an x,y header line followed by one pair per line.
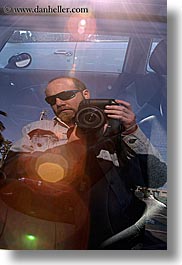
x,y
148,97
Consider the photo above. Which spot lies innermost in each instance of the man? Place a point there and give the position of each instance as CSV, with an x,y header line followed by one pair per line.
x,y
66,109
103,176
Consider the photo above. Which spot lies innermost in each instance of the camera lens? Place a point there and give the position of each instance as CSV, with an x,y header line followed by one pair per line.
x,y
90,118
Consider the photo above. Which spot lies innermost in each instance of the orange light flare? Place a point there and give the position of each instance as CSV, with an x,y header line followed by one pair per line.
x,y
51,167
66,165
81,25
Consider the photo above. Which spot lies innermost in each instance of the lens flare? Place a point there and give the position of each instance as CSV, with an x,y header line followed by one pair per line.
x,y
81,25
50,172
29,241
30,237
51,167
83,22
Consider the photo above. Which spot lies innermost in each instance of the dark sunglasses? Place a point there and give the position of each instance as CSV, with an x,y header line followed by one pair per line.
x,y
64,95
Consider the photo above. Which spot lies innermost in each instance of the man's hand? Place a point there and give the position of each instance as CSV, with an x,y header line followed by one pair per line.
x,y
124,113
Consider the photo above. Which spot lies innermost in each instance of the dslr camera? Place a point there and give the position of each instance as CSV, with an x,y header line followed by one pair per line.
x,y
91,118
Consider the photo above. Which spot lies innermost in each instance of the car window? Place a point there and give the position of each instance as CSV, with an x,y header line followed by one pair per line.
x,y
152,47
63,52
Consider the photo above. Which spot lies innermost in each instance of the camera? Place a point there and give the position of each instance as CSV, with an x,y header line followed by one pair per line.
x,y
91,118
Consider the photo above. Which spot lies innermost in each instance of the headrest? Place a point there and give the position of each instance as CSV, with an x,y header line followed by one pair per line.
x,y
158,58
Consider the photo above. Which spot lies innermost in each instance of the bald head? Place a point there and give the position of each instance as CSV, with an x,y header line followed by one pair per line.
x,y
63,82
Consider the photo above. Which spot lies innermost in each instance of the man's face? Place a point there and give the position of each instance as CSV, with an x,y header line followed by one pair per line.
x,y
65,109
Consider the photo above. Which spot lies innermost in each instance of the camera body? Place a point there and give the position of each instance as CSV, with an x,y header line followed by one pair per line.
x,y
91,118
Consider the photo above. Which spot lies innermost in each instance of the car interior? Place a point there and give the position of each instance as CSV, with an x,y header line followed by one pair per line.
x,y
118,49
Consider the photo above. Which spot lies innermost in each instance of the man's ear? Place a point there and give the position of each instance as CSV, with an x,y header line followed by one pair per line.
x,y
86,94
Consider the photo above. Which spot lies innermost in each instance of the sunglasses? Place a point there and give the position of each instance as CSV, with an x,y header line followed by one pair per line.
x,y
64,95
